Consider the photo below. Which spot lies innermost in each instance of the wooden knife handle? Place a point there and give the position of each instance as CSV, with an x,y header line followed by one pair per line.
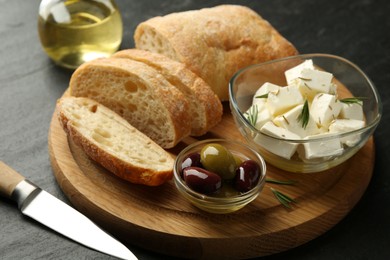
x,y
9,178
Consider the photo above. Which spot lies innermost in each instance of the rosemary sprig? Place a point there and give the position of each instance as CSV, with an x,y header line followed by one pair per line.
x,y
252,115
287,182
304,116
353,100
262,96
284,199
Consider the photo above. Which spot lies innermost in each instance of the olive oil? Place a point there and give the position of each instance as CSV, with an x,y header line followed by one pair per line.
x,y
75,31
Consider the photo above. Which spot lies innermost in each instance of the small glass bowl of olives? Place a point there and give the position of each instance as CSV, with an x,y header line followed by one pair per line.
x,y
219,176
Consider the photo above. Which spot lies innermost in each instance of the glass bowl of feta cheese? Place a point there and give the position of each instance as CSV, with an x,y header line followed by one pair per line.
x,y
306,113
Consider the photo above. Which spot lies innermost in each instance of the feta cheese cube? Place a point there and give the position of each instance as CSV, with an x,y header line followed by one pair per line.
x,y
333,89
284,99
324,148
263,117
295,72
262,114
302,155
279,147
312,82
325,108
352,111
346,125
290,121
264,89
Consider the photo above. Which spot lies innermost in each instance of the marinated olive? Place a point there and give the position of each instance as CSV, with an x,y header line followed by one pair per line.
x,y
201,180
226,191
216,158
192,160
247,176
237,159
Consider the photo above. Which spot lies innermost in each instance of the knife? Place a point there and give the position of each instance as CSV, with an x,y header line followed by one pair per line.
x,y
57,215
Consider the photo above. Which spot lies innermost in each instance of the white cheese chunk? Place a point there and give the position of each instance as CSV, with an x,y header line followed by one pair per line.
x,y
263,117
290,121
284,99
352,111
346,125
295,72
302,155
261,101
318,149
264,89
312,82
262,114
324,109
278,147
333,89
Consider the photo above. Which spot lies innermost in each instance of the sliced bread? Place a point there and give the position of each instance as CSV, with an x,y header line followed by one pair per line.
x,y
204,106
112,142
214,42
139,94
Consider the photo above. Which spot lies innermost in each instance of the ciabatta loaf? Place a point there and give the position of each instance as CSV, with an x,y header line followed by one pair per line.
x,y
204,106
111,141
214,42
138,93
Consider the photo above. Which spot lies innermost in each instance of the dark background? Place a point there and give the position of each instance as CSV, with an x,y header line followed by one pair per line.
x,y
30,84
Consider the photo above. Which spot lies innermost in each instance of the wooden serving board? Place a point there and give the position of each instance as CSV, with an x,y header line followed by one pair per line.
x,y
159,219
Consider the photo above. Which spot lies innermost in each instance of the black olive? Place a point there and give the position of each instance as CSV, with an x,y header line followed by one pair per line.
x,y
201,180
247,176
192,160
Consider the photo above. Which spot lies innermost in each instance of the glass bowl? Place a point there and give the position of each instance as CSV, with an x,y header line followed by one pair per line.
x,y
217,204
351,82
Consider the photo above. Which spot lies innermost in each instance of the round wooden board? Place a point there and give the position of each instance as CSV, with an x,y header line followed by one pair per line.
x,y
159,219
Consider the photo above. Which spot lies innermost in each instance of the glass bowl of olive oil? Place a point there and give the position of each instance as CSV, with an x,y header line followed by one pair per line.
x,y
75,31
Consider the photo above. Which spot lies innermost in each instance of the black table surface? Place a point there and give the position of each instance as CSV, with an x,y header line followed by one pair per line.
x,y
30,84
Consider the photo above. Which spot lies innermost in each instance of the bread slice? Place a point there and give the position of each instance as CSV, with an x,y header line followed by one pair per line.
x,y
112,142
204,106
214,42
139,94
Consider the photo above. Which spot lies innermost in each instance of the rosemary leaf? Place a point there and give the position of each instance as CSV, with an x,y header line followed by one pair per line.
x,y
287,182
304,83
284,199
262,96
304,116
281,200
252,114
304,79
353,100
287,198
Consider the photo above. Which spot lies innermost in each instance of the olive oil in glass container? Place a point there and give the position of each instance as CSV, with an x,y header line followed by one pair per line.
x,y
75,31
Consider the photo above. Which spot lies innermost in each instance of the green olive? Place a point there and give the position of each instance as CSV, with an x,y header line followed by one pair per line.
x,y
216,158
237,159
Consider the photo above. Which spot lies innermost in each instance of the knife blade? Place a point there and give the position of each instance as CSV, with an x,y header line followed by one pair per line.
x,y
57,215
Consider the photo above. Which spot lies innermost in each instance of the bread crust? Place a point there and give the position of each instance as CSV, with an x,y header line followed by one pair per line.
x,y
121,168
215,42
202,100
108,81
